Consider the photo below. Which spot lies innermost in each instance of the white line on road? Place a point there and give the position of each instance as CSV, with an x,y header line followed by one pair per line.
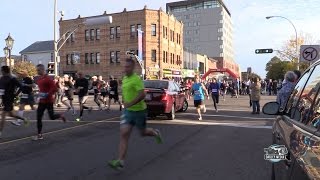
x,y
228,116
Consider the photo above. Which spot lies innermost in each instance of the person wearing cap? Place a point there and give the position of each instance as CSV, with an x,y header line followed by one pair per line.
x,y
68,94
96,86
26,96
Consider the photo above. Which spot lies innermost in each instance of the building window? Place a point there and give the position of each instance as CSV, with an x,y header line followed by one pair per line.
x,y
154,55
112,57
51,57
178,38
87,35
92,58
172,36
98,58
118,32
164,32
172,58
118,56
112,33
132,30
97,34
86,58
73,37
72,59
153,30
92,34
68,59
139,26
164,57
67,36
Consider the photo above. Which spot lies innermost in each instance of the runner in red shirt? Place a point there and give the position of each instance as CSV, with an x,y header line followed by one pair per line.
x,y
47,90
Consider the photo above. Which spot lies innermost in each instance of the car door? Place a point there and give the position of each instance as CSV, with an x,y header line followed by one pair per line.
x,y
180,96
307,159
173,92
285,131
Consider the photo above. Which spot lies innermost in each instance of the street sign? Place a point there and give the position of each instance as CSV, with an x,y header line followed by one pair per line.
x,y
309,53
263,51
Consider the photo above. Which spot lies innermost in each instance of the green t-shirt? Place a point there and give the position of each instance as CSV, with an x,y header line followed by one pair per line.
x,y
131,85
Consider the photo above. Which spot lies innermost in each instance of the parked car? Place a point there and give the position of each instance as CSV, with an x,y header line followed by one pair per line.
x,y
164,97
297,127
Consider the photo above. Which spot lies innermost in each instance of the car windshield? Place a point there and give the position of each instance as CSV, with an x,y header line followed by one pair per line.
x,y
156,84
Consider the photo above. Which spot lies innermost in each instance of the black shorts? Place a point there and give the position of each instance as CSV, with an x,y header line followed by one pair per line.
x,y
114,96
198,103
7,106
104,94
70,98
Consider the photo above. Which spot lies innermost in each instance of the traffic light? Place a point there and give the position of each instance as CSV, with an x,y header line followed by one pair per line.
x,y
51,68
263,51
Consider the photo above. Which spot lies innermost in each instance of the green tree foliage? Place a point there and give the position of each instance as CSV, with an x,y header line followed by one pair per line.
x,y
24,66
276,68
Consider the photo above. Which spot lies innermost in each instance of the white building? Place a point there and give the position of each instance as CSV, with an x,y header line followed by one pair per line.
x,y
40,52
207,27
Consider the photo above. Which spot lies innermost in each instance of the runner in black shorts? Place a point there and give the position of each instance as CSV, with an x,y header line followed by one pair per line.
x,y
26,97
68,94
82,86
104,93
8,87
113,94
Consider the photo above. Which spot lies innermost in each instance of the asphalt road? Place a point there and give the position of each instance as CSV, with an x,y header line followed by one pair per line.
x,y
225,145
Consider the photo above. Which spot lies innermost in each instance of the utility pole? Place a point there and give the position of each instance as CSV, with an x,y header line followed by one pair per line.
x,y
55,51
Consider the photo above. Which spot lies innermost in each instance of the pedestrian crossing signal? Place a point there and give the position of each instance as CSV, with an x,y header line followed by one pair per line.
x,y
51,68
263,51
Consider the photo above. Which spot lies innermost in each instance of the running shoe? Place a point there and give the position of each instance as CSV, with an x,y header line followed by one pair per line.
x,y
158,137
16,123
116,164
37,138
74,112
217,110
200,118
79,119
90,109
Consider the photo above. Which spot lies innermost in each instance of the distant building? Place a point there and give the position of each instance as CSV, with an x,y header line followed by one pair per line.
x,y
207,26
14,59
101,49
40,52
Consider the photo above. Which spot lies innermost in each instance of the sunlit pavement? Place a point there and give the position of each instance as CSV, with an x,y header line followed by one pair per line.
x,y
226,145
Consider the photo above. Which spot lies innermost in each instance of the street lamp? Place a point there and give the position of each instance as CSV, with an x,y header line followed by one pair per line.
x,y
7,50
295,30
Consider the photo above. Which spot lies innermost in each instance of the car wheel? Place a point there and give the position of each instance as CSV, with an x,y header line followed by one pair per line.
x,y
172,114
184,106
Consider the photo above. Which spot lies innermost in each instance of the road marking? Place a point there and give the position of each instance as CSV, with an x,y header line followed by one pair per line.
x,y
60,130
228,116
232,110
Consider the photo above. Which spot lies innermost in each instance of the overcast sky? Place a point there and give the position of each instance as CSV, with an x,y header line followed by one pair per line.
x,y
31,20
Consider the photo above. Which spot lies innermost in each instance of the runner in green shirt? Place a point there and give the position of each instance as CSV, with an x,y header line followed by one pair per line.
x,y
134,113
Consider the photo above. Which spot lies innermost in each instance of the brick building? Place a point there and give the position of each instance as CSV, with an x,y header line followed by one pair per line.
x,y
102,48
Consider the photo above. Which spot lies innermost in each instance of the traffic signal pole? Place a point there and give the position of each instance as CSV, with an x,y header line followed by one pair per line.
x,y
55,50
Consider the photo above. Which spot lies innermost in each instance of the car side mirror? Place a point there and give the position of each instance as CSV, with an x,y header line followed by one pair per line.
x,y
271,108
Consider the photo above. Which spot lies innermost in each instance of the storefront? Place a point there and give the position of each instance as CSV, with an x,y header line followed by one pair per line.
x,y
188,73
172,74
153,72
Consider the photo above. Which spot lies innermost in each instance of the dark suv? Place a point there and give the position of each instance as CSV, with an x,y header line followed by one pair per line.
x,y
297,127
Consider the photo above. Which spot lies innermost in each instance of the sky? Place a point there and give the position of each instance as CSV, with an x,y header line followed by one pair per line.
x,y
32,20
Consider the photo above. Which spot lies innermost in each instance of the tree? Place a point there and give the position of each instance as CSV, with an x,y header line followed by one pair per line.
x,y
278,69
289,52
273,60
24,66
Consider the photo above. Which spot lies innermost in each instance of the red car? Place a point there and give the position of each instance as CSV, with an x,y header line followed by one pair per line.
x,y
164,97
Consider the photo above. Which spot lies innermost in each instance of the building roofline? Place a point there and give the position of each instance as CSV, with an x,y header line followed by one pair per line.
x,y
110,14
188,2
34,52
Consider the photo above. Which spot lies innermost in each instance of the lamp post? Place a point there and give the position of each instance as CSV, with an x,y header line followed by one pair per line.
x,y
7,50
295,30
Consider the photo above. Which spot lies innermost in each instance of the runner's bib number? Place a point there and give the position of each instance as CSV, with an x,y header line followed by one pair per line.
x,y
197,92
214,90
112,92
24,96
95,87
1,92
